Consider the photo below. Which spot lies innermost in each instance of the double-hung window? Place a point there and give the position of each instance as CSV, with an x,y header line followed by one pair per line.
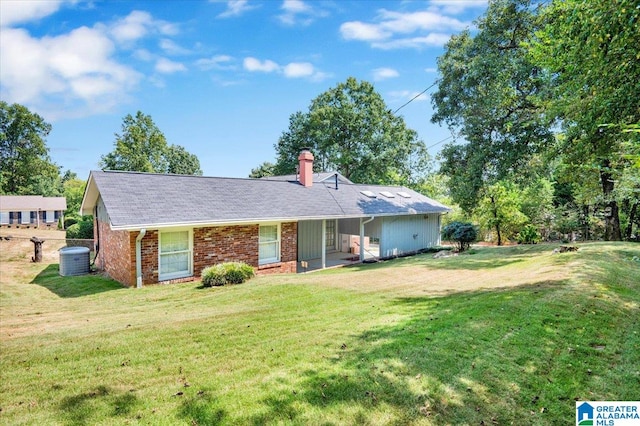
x,y
5,218
49,216
175,255
25,217
269,244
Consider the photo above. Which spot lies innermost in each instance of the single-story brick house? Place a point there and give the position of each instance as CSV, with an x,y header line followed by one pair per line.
x,y
151,228
31,210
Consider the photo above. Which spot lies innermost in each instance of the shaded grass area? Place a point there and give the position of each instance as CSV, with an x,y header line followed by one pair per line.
x,y
311,350
73,286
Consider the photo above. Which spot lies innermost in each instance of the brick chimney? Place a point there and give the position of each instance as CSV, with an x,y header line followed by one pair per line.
x,y
305,161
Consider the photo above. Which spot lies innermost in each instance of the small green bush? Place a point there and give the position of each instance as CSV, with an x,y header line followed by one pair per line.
x,y
226,273
529,235
70,220
463,233
81,230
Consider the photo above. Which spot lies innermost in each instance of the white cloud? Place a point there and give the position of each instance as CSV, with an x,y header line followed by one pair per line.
x,y
166,66
16,12
236,8
433,39
398,30
172,48
138,24
291,70
298,69
431,70
219,62
134,26
297,12
77,73
256,65
384,73
56,74
357,30
406,23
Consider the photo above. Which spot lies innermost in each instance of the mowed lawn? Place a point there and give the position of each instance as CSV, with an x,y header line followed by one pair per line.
x,y
511,335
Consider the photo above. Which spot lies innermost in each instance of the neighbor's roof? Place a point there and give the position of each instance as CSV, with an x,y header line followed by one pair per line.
x,y
139,200
14,203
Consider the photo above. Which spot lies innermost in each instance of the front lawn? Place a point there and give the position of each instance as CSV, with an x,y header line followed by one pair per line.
x,y
511,335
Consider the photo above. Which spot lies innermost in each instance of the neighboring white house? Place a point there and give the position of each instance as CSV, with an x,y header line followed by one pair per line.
x,y
31,210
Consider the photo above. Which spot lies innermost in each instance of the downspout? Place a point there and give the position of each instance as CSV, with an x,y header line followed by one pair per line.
x,y
362,224
96,246
139,257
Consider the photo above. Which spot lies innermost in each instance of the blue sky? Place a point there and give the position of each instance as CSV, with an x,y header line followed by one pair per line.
x,y
220,78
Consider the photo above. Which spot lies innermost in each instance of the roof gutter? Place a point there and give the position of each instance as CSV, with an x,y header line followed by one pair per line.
x,y
253,221
139,238
362,224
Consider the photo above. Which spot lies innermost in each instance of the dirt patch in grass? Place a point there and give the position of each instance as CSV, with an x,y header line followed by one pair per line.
x,y
15,245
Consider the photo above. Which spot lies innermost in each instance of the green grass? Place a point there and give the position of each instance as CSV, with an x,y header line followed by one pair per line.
x,y
510,335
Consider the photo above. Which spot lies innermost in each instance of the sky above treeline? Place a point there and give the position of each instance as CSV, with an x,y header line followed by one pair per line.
x,y
220,78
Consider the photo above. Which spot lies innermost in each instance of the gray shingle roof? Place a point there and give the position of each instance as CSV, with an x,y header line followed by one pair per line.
x,y
136,200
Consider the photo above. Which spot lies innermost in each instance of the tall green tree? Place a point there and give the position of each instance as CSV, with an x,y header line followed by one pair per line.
x,y
350,129
590,51
266,168
488,94
73,192
25,165
182,162
499,210
142,147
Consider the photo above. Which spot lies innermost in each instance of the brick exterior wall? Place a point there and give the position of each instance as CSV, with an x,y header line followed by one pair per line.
x,y
211,245
117,253
149,250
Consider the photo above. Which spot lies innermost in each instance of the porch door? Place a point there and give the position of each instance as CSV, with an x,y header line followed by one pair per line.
x,y
330,242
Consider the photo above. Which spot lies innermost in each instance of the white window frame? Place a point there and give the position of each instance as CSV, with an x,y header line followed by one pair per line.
x,y
49,216
178,274
26,213
277,243
5,218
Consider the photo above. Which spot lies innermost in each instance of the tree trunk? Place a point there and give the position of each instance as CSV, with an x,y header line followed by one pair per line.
x,y
497,222
585,222
37,249
632,218
611,216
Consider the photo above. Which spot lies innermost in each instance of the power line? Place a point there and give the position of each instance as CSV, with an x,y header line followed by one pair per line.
x,y
416,96
440,141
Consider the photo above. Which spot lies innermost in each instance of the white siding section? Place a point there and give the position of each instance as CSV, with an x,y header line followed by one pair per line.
x,y
101,211
402,234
